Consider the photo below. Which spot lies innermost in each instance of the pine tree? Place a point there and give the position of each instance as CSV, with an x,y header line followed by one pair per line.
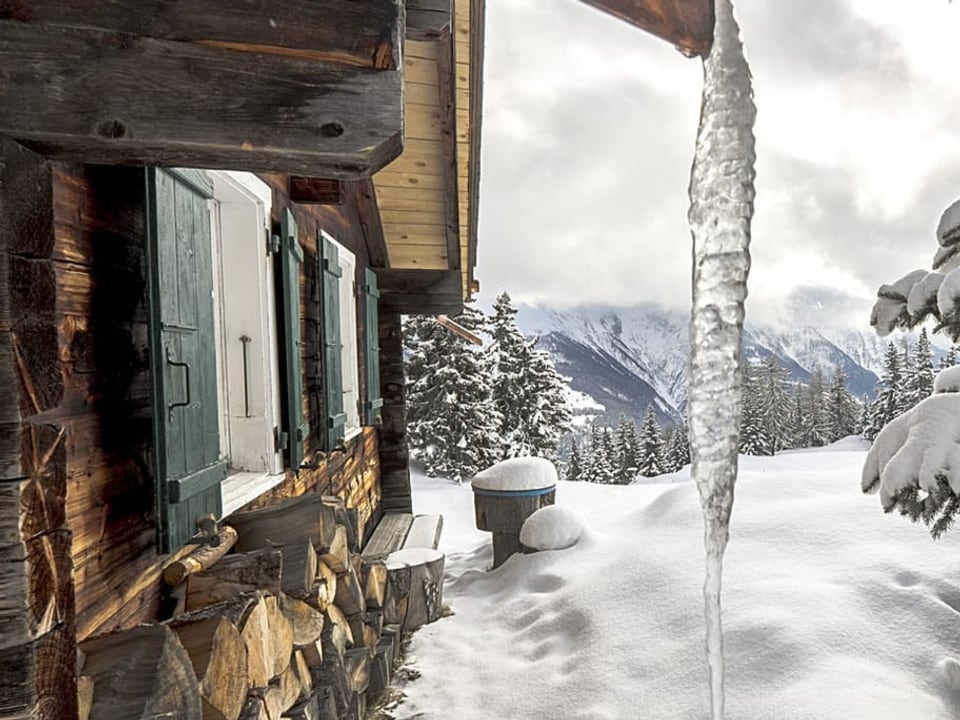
x,y
677,452
599,464
886,406
841,409
626,448
775,405
451,419
527,389
950,359
753,435
918,377
649,452
574,463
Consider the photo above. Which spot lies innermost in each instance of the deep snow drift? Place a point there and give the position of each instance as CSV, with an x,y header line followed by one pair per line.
x,y
832,610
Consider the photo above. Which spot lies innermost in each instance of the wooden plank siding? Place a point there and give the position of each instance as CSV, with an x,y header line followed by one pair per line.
x,y
98,265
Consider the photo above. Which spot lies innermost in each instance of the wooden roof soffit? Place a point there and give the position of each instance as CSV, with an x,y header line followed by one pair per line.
x,y
688,24
311,87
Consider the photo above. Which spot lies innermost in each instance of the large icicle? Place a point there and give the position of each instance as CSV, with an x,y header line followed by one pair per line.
x,y
721,206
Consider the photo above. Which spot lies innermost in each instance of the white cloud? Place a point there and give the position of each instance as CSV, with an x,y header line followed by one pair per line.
x,y
590,125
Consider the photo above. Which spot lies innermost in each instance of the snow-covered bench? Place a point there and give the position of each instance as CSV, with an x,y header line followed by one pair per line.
x,y
406,545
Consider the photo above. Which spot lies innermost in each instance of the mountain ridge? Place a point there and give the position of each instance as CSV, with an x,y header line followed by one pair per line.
x,y
626,358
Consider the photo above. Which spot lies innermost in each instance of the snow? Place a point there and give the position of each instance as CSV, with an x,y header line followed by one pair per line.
x,y
947,258
886,315
555,527
948,296
947,380
523,473
900,290
915,448
831,608
924,293
948,230
411,556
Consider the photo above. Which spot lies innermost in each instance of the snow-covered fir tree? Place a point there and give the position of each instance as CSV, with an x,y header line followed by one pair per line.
x,y
650,449
842,410
775,404
918,375
888,402
676,451
527,389
753,426
574,468
599,461
452,421
627,444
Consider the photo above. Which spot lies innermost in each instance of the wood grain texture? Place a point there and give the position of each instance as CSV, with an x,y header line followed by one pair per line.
x,y
120,98
352,33
142,672
688,24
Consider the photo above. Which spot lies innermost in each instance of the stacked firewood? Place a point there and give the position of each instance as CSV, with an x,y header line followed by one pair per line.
x,y
293,623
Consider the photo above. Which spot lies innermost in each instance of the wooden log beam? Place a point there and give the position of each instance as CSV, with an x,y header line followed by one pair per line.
x,y
688,24
316,190
345,31
371,224
119,98
426,19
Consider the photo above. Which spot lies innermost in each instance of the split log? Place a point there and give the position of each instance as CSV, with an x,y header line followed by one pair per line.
x,y
333,675
219,661
306,622
350,595
313,653
381,666
397,595
337,636
326,702
254,709
285,693
286,523
307,709
302,669
348,518
357,664
235,575
337,556
85,690
200,559
281,636
327,580
364,634
394,634
255,633
299,568
425,569
358,706
143,672
374,584
374,618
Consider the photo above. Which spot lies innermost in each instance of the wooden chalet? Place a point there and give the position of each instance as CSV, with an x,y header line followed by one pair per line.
x,y
212,216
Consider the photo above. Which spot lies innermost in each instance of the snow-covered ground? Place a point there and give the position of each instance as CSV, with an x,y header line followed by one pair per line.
x,y
832,610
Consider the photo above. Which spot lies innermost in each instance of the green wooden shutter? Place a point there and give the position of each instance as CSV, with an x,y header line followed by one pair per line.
x,y
371,296
183,357
332,350
291,258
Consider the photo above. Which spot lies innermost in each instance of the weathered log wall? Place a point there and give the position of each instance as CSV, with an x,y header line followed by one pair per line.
x,y
99,269
37,623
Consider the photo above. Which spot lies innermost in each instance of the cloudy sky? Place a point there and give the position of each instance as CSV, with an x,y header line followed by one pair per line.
x,y
588,135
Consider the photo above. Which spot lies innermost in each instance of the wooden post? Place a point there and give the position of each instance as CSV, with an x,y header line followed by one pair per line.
x,y
394,455
37,610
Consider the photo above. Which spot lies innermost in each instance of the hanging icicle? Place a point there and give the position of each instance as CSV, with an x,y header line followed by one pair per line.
x,y
721,207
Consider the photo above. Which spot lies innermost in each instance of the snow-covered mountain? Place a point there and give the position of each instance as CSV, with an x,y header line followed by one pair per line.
x,y
626,358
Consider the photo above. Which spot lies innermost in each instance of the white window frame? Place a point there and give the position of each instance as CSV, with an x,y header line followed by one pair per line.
x,y
244,302
349,345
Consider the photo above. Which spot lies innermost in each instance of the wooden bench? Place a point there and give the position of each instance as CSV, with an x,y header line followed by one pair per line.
x,y
398,531
407,546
